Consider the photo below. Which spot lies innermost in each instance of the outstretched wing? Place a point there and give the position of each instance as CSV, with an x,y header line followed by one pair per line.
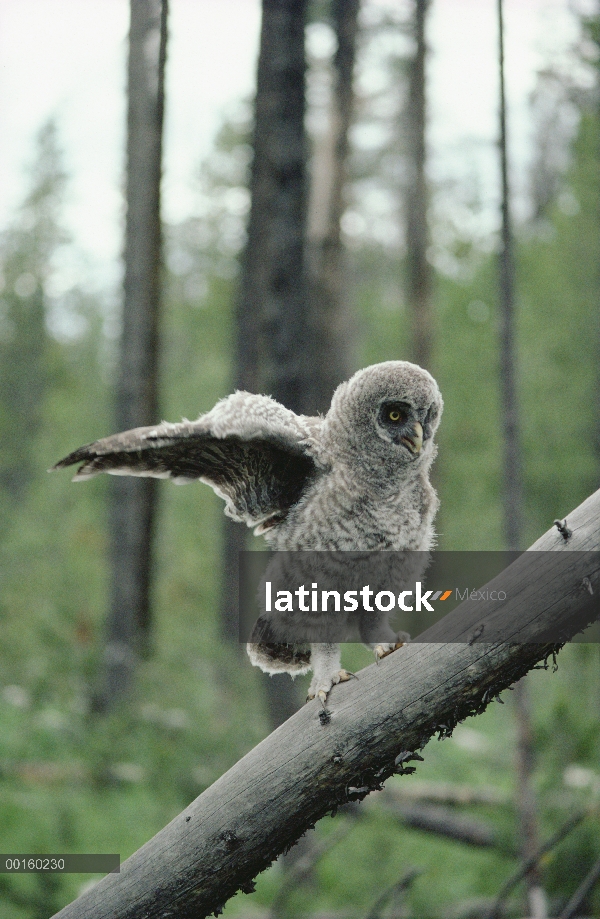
x,y
257,455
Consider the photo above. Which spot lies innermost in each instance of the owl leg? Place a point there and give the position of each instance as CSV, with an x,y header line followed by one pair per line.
x,y
325,661
378,635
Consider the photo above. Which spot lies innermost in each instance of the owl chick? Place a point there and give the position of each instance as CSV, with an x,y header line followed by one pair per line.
x,y
354,480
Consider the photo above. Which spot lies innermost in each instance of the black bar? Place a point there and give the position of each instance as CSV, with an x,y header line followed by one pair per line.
x,y
60,864
295,598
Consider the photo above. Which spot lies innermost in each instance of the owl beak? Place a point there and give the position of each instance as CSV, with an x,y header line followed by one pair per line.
x,y
413,439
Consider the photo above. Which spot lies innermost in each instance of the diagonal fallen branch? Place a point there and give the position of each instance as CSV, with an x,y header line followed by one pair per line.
x,y
433,818
585,888
302,869
394,892
449,794
526,865
318,760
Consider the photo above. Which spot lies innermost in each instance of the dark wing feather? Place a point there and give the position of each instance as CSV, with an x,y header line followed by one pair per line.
x,y
260,478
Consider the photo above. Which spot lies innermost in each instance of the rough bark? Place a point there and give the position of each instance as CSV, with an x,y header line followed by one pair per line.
x,y
417,233
329,315
134,499
320,759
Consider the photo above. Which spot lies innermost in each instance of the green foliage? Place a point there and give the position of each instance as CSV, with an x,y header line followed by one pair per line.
x,y
26,250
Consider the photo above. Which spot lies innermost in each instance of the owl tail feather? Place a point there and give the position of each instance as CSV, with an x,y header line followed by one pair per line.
x,y
273,656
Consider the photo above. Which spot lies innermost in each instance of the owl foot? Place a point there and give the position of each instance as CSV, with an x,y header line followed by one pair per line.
x,y
319,689
389,647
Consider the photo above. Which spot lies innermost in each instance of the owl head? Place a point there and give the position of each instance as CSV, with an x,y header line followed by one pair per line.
x,y
383,418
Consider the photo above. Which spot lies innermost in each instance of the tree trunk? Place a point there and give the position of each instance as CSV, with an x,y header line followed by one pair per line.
x,y
134,499
513,498
417,235
273,301
321,759
330,323
526,799
513,487
272,352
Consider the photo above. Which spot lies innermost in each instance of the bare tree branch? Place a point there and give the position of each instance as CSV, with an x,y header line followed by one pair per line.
x,y
432,818
320,759
400,887
304,866
581,893
526,865
449,793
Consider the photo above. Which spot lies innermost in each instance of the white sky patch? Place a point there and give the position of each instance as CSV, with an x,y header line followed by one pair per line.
x,y
68,57
463,85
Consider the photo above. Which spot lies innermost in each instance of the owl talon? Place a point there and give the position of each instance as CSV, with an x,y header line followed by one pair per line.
x,y
346,675
321,688
383,650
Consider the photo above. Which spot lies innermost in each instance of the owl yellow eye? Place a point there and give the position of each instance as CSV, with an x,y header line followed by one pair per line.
x,y
393,414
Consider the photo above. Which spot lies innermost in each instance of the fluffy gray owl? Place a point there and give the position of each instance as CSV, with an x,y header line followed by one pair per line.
x,y
356,479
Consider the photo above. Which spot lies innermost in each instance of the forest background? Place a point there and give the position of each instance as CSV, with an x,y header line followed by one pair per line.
x,y
78,777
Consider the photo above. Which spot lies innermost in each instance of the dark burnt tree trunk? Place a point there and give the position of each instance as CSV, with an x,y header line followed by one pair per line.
x,y
419,281
274,289
273,354
593,34
513,486
134,500
513,496
330,321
